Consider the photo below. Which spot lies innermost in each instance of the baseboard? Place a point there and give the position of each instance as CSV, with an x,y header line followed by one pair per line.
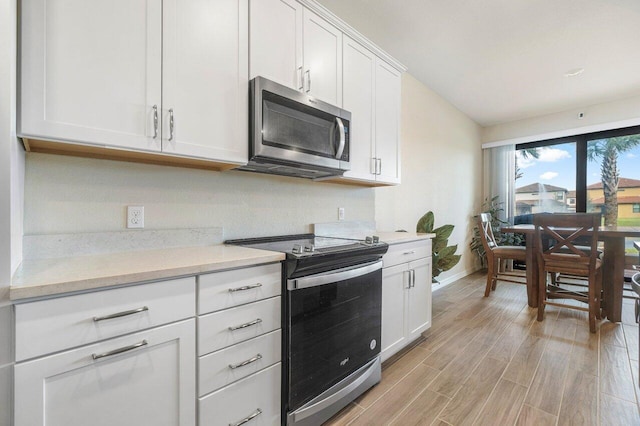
x,y
446,281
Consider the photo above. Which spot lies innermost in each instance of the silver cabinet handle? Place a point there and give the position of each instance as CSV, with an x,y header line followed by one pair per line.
x,y
413,278
342,137
380,166
300,80
409,252
121,314
246,287
246,419
408,279
374,166
170,124
308,74
247,362
245,325
155,121
120,350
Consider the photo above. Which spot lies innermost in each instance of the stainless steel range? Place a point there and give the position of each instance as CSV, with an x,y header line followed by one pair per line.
x,y
331,322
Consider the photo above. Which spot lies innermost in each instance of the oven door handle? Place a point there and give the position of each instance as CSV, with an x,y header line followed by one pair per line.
x,y
334,276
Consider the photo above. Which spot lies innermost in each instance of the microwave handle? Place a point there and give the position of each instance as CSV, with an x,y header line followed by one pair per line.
x,y
342,137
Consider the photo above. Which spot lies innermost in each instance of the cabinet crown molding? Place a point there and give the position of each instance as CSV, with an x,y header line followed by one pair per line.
x,y
352,32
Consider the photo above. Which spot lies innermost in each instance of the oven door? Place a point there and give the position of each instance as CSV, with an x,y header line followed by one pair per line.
x,y
334,328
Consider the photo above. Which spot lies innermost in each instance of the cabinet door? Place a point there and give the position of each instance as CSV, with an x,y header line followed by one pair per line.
x,y
322,59
387,127
394,289
275,37
152,384
359,66
90,71
205,88
419,307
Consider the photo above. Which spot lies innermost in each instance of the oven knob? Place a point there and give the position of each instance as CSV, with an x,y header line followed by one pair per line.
x,y
373,344
309,248
376,239
368,240
297,249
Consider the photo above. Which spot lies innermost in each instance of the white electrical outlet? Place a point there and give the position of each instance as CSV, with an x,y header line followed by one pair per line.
x,y
135,216
340,213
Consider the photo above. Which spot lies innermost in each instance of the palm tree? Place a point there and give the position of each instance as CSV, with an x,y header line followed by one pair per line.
x,y
525,153
608,150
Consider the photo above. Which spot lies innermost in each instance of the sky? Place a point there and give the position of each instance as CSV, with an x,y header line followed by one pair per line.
x,y
557,166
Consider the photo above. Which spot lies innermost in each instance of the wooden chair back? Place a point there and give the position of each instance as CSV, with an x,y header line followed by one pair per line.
x,y
567,242
486,232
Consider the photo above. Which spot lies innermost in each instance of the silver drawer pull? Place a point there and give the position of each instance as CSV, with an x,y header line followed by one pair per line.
x,y
245,325
120,350
247,362
246,419
409,252
121,314
243,288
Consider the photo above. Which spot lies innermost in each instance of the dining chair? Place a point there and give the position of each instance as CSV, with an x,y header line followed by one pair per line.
x,y
561,249
496,253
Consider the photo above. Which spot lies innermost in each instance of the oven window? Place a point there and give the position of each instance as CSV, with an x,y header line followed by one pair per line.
x,y
334,330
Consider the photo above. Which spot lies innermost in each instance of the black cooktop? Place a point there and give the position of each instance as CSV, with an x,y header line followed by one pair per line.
x,y
307,253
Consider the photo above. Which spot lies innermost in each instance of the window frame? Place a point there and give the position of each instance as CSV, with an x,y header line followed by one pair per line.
x,y
581,142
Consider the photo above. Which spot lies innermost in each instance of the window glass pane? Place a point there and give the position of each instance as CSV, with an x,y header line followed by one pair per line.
x,y
545,179
613,181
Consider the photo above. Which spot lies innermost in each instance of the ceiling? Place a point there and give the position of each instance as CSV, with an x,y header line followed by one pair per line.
x,y
504,60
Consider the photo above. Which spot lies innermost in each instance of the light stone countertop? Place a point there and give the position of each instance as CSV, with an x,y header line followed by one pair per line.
x,y
45,277
402,237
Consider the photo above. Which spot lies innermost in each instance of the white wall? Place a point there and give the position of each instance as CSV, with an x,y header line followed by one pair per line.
x,y
604,116
68,194
441,171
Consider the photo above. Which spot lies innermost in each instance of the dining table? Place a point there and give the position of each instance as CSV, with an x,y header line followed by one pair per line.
x,y
613,264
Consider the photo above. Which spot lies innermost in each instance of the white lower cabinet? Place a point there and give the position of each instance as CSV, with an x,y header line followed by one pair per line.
x,y
406,295
255,399
145,378
240,346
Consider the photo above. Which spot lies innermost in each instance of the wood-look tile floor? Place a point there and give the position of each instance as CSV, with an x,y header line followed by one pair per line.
x,y
487,361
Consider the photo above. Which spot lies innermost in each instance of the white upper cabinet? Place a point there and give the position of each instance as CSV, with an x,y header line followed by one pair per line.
x,y
293,46
275,36
91,71
359,66
205,88
147,75
322,65
387,123
371,92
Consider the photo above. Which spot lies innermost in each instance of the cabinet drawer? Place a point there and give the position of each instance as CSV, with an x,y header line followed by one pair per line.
x,y
225,328
222,290
406,252
51,325
216,371
258,395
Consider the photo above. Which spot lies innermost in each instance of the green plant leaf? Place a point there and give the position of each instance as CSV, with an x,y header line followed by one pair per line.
x,y
448,251
443,232
448,262
425,224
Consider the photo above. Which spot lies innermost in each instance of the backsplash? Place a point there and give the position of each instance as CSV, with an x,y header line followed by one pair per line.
x,y
47,246
70,195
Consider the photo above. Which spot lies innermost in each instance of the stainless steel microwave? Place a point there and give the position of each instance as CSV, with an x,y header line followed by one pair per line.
x,y
294,134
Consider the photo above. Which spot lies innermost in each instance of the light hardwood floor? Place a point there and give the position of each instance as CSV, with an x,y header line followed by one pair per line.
x,y
487,361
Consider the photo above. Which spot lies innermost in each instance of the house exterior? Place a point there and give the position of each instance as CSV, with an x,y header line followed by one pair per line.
x,y
628,198
571,201
539,197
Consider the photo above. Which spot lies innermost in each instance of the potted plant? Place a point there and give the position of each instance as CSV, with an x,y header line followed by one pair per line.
x,y
443,256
